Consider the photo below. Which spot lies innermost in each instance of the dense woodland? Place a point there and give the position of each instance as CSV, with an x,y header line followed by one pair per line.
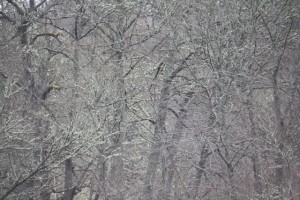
x,y
149,100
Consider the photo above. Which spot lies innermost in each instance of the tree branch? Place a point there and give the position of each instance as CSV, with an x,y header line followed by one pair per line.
x,y
6,17
45,34
60,52
41,3
18,8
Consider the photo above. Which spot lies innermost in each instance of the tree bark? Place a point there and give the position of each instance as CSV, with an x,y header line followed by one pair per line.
x,y
70,189
166,191
155,149
279,161
258,186
159,131
200,171
117,165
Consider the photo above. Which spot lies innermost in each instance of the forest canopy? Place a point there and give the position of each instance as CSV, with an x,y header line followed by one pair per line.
x,y
149,99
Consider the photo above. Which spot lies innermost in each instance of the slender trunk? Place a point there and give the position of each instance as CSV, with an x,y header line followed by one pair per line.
x,y
279,161
296,56
117,165
258,186
170,167
102,187
70,189
227,157
200,171
69,185
159,132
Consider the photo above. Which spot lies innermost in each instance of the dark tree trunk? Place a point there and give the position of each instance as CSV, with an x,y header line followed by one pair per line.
x,y
69,187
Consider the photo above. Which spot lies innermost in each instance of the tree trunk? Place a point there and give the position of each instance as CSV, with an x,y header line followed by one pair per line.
x,y
159,132
200,171
69,173
166,191
70,189
116,171
258,186
279,161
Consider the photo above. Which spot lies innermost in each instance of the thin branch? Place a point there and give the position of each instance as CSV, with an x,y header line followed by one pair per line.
x,y
41,3
19,182
62,29
90,30
45,11
6,17
59,52
18,8
136,63
180,68
45,34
